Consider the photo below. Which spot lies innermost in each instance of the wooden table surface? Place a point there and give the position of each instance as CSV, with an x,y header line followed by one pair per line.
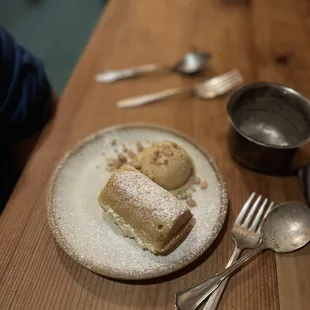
x,y
267,40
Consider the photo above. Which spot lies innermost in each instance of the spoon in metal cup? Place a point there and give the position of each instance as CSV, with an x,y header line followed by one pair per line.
x,y
285,229
192,63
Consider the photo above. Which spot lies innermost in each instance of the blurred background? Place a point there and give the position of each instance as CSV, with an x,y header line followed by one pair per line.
x,y
56,31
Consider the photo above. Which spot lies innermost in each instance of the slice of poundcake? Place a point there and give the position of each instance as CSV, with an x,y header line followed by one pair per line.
x,y
145,211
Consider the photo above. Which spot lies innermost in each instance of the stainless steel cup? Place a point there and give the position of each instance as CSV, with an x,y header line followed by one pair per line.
x,y
269,122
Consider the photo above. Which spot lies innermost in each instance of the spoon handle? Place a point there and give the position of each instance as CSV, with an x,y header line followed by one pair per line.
x,y
113,76
215,298
141,100
192,297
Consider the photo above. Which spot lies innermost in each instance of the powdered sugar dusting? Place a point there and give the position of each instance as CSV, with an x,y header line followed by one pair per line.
x,y
138,188
86,234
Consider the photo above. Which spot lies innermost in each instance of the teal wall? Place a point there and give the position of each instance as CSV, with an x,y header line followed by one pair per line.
x,y
56,31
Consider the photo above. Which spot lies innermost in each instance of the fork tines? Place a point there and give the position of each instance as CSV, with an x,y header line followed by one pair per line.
x,y
254,212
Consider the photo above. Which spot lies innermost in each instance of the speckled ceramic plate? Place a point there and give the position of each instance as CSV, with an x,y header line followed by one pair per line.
x,y
81,229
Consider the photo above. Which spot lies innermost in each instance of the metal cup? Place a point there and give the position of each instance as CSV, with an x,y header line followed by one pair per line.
x,y
269,122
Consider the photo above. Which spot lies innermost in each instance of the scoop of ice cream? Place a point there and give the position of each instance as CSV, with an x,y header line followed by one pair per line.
x,y
167,164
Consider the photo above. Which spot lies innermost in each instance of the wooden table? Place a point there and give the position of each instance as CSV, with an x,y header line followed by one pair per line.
x,y
267,40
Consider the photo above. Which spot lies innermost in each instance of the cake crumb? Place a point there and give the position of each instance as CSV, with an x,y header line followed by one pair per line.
x,y
182,195
139,146
204,184
116,163
111,162
122,158
111,165
191,202
131,154
197,180
125,148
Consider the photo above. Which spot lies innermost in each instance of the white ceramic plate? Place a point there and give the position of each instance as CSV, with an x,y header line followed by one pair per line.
x,y
81,229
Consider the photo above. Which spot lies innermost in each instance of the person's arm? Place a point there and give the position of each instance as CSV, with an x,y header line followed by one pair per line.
x,y
26,102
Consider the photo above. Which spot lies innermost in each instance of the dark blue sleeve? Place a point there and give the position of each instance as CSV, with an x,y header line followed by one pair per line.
x,y
25,93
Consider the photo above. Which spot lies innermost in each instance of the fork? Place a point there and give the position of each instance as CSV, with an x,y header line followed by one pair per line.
x,y
242,223
208,89
246,234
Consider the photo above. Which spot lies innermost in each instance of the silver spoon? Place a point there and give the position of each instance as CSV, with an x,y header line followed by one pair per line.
x,y
285,229
191,63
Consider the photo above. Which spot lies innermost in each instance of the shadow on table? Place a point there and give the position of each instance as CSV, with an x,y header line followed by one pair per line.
x,y
258,181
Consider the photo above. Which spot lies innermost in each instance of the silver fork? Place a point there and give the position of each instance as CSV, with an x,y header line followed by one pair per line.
x,y
241,226
208,89
246,234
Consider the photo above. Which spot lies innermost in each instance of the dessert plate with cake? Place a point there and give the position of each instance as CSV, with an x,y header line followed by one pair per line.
x,y
136,202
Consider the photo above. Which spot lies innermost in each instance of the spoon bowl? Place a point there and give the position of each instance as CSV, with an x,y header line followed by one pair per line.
x,y
192,63
287,227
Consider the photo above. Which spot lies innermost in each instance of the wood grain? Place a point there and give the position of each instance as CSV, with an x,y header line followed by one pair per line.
x,y
267,40
284,33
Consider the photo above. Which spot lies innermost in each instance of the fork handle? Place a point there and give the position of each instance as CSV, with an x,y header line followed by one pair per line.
x,y
191,298
215,298
141,100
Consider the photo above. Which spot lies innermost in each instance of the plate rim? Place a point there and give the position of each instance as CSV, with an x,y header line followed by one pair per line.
x,y
70,251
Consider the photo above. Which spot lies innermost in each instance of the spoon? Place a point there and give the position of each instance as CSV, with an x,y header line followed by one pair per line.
x,y
193,62
285,229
